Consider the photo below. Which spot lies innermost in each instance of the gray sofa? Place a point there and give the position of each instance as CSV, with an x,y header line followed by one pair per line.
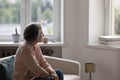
x,y
70,68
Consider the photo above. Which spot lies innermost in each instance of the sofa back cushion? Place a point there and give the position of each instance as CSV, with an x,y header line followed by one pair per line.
x,y
6,68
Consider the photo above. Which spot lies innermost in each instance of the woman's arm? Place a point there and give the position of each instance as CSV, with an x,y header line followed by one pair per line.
x,y
31,64
43,62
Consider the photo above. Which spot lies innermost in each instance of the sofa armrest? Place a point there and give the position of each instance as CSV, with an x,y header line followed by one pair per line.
x,y
67,66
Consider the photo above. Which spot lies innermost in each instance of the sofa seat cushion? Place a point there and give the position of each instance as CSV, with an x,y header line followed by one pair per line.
x,y
6,68
71,77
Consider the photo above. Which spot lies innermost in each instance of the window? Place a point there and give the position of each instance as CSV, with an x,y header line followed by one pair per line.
x,y
42,11
9,17
104,22
117,16
113,16
18,13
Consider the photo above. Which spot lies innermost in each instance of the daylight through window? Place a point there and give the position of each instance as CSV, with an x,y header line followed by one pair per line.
x,y
117,16
9,16
18,13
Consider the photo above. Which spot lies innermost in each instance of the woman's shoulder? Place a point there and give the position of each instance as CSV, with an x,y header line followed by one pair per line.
x,y
23,47
23,50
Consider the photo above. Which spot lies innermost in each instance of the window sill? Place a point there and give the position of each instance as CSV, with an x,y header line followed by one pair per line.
x,y
12,44
104,47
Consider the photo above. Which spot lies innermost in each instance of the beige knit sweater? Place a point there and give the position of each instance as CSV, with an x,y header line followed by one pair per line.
x,y
29,62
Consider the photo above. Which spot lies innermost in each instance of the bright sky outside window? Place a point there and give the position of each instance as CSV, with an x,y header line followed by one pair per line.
x,y
9,16
42,11
117,16
18,13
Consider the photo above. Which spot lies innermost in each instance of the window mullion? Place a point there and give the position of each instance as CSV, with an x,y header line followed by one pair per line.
x,y
62,21
27,12
22,15
57,19
112,17
109,17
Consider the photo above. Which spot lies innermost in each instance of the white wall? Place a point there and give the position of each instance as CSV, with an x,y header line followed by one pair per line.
x,y
71,12
96,20
76,36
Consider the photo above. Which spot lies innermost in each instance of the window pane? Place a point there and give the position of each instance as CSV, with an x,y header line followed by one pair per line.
x,y
117,16
42,11
9,16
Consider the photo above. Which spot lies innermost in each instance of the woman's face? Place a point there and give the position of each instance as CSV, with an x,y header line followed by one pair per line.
x,y
40,36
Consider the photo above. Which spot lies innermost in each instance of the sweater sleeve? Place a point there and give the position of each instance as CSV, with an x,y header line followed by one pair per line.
x,y
30,63
43,62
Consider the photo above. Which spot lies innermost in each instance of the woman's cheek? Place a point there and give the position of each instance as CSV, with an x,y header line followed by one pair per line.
x,y
39,40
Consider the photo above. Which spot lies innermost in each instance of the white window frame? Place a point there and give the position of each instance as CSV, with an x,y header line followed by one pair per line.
x,y
105,19
26,18
109,23
108,17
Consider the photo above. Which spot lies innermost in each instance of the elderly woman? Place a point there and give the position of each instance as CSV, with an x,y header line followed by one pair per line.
x,y
30,64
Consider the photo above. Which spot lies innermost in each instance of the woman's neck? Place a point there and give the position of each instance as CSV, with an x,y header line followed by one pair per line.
x,y
33,43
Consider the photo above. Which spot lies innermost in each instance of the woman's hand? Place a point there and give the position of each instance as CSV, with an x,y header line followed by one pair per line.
x,y
54,76
45,74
